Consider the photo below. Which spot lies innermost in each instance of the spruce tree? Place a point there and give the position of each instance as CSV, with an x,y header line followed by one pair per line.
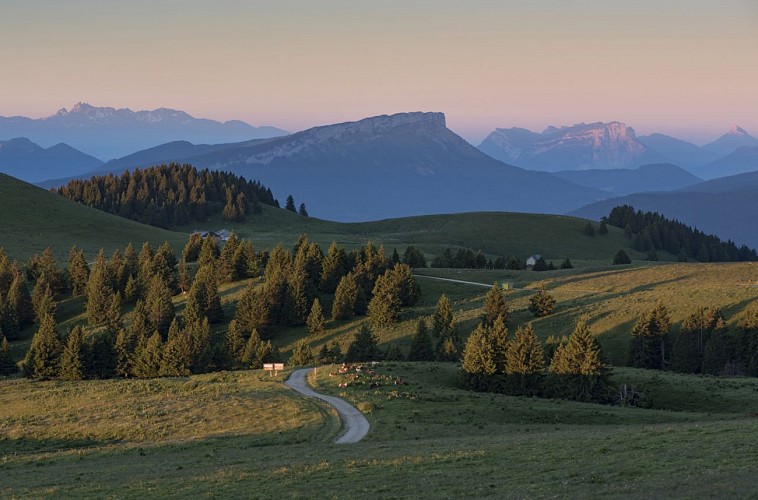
x,y
421,343
298,299
364,347
648,339
147,356
42,360
102,357
20,301
160,308
227,271
393,353
479,359
290,204
173,362
191,250
494,306
43,301
719,350
498,333
603,229
333,268
301,354
346,298
542,303
385,304
524,362
252,310
316,320
235,342
578,367
203,300
74,356
589,229
303,211
78,271
621,258
251,348
99,292
209,253
114,321
443,319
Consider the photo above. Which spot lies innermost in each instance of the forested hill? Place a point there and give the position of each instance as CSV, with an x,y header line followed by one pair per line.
x,y
170,195
652,231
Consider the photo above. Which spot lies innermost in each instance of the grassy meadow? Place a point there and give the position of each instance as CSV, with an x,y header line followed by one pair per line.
x,y
244,434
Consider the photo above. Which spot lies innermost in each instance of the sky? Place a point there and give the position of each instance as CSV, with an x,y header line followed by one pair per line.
x,y
688,68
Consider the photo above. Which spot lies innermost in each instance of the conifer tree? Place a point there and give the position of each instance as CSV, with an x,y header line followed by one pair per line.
x,y
173,362
479,359
648,339
184,280
191,250
542,303
125,346
20,302
160,308
7,366
227,271
102,357
133,291
333,268
402,279
99,292
364,347
301,354
498,334
621,258
251,348
719,350
209,253
316,320
303,211
200,345
235,342
252,311
748,340
147,356
290,204
603,229
578,367
42,360
589,229
393,353
494,306
443,320
346,298
43,302
298,300
203,300
524,362
421,343
245,261
74,356
384,307
78,271
8,320
114,320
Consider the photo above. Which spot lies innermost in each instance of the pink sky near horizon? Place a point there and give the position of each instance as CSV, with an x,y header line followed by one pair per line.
x,y
685,68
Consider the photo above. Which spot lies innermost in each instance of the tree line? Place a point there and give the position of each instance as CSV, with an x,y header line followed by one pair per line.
x,y
704,343
171,195
652,231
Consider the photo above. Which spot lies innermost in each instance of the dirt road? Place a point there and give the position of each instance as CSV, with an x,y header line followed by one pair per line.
x,y
354,423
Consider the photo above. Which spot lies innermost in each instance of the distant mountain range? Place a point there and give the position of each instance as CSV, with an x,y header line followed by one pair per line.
x,y
112,133
380,167
23,159
613,145
618,182
726,207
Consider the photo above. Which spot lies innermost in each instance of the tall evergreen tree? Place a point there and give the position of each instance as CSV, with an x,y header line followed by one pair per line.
x,y
479,359
78,271
421,343
524,362
348,298
301,354
102,359
333,268
303,211
648,339
316,320
147,356
74,356
498,333
236,344
160,308
443,319
42,360
290,204
385,304
495,305
99,291
364,347
578,365
252,311
20,301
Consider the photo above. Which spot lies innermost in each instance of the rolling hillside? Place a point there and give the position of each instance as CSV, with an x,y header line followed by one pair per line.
x,y
32,219
653,177
26,160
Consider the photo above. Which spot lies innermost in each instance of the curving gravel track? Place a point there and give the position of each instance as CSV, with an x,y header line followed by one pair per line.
x,y
353,422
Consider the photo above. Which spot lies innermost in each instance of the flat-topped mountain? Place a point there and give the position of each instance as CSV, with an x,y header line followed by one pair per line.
x,y
582,146
389,166
107,132
23,159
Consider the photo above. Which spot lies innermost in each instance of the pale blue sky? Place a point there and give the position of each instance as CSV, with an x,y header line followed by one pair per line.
x,y
685,67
